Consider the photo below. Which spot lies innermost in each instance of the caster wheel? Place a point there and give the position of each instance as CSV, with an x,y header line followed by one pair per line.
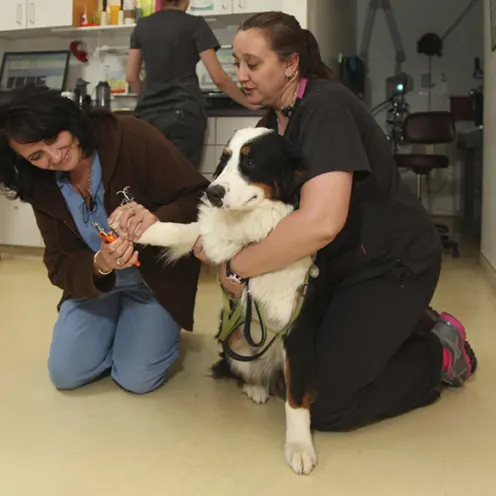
x,y
455,253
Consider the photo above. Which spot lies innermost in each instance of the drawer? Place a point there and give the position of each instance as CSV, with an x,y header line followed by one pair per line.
x,y
18,225
219,149
210,159
210,132
227,126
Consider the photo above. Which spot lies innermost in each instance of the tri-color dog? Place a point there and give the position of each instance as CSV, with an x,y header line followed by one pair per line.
x,y
269,332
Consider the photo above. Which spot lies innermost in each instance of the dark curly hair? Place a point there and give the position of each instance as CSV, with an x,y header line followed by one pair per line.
x,y
31,114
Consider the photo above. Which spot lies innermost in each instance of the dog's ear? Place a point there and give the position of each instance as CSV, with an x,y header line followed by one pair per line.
x,y
288,185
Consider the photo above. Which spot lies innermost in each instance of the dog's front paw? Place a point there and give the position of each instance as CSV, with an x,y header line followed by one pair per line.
x,y
116,224
301,456
258,394
154,235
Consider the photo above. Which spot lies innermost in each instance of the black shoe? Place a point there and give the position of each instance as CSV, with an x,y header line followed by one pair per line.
x,y
427,322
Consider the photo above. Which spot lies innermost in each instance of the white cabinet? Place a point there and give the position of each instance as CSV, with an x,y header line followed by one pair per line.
x,y
253,6
12,15
209,161
211,129
220,7
49,13
34,14
17,224
210,7
227,126
219,132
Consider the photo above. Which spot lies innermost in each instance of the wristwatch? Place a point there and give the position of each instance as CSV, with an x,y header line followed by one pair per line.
x,y
232,276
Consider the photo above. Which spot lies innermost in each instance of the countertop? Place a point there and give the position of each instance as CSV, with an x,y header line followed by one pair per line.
x,y
216,112
215,103
234,112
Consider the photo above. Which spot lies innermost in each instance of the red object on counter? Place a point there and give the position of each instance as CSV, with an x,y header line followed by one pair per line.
x,y
77,49
159,5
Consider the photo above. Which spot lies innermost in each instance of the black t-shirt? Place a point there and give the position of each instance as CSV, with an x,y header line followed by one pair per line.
x,y
170,42
334,131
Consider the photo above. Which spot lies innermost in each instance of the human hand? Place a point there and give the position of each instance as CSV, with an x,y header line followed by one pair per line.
x,y
233,288
131,220
118,255
200,254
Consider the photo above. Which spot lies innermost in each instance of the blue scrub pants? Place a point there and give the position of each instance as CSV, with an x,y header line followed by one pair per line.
x,y
125,332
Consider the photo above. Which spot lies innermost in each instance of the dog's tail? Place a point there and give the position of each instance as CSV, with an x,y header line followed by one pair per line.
x,y
177,239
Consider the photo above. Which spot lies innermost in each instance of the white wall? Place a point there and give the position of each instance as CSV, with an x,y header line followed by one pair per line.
x,y
414,19
488,242
334,24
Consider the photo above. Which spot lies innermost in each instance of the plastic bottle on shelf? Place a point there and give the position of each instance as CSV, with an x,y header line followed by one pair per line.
x,y
129,7
138,10
148,7
114,14
104,18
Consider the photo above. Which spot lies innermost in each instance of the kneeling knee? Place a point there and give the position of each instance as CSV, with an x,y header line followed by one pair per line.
x,y
66,375
63,378
139,383
141,379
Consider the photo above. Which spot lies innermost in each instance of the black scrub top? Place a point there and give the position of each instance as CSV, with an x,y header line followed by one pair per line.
x,y
386,225
171,42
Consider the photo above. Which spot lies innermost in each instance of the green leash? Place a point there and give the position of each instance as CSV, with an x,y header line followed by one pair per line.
x,y
233,318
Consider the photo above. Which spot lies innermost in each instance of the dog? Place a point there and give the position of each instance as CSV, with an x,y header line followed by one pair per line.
x,y
257,184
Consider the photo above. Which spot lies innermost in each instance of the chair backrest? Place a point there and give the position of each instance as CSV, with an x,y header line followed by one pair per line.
x,y
429,128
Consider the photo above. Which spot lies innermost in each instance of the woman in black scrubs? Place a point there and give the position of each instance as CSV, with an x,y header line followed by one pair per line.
x,y
380,350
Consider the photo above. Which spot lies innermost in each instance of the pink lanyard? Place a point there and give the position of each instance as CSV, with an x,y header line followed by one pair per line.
x,y
302,87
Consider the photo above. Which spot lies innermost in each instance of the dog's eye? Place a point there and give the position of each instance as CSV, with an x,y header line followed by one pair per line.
x,y
249,163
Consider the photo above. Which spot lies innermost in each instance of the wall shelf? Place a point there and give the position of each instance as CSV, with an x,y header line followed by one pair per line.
x,y
81,32
69,32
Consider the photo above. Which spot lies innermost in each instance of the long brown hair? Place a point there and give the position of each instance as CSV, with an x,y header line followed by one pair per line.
x,y
287,37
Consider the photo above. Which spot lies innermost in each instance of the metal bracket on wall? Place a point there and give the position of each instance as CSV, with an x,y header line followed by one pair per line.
x,y
374,6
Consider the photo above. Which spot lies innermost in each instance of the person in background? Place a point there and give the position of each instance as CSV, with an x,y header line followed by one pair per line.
x,y
380,350
171,43
74,169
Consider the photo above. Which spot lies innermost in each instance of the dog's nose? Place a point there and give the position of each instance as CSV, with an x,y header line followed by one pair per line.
x,y
215,194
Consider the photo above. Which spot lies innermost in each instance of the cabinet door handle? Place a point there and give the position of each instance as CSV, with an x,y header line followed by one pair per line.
x,y
242,4
19,14
32,12
225,4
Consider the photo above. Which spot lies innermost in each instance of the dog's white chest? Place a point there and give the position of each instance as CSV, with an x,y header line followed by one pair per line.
x,y
224,233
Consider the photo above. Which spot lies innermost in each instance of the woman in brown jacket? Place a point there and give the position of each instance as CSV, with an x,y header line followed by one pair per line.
x,y
121,309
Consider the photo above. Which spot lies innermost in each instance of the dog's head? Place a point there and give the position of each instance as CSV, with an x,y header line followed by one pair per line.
x,y
257,165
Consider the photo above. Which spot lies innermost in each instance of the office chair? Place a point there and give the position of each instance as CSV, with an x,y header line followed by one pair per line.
x,y
428,128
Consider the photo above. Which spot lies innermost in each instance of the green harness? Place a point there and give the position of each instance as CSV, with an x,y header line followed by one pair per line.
x,y
233,318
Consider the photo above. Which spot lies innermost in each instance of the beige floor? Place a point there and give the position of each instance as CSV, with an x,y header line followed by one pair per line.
x,y
197,436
